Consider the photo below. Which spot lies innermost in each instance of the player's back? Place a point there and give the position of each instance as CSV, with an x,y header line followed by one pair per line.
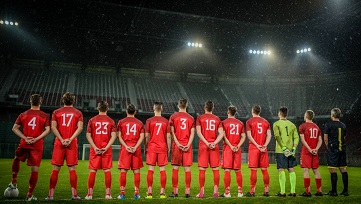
x,y
67,119
101,127
336,131
182,123
311,134
130,128
33,122
258,127
157,127
209,124
287,131
233,129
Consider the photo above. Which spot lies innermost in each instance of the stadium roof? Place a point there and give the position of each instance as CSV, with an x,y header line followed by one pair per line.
x,y
153,34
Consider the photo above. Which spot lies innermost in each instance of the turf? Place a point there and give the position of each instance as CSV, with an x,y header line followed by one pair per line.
x,y
63,193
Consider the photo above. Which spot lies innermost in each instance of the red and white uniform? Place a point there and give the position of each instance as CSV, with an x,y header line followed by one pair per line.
x,y
209,124
101,127
258,127
130,129
33,123
233,129
157,151
183,124
67,119
311,134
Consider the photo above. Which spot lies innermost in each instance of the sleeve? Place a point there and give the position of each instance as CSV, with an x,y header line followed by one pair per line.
x,y
47,120
81,119
326,129
141,128
147,126
220,124
120,125
241,128
168,127
171,121
296,137
193,122
268,125
89,127
319,132
18,120
53,116
302,129
198,121
248,126
276,132
114,127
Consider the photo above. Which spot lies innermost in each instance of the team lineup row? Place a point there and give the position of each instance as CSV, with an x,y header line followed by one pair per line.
x,y
160,135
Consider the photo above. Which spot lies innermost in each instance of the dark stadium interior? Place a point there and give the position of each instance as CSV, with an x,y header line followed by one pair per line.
x,y
136,52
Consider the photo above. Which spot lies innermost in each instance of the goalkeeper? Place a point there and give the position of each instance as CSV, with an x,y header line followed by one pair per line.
x,y
287,138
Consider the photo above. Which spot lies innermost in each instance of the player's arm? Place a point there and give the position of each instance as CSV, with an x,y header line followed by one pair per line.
x,y
325,138
54,129
220,135
113,137
140,140
319,143
200,135
43,134
227,142
243,138
121,141
169,141
17,131
296,138
190,141
174,137
302,136
250,138
77,131
91,141
277,133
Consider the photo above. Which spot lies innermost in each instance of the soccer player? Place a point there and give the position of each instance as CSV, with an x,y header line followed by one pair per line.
x,y
66,124
131,136
182,130
335,135
286,139
259,135
35,126
234,137
311,139
101,134
207,126
158,143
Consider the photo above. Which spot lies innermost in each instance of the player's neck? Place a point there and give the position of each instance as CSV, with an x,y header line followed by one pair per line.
x,y
68,105
130,116
335,119
157,113
255,115
283,118
35,107
308,121
102,113
207,112
231,116
182,110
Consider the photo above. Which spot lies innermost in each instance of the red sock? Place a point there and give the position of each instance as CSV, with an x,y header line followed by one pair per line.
x,y
188,179
227,181
91,181
175,181
136,182
216,177
15,170
163,179
318,184
108,181
150,180
73,182
265,180
201,179
253,180
239,181
123,182
53,182
306,182
32,182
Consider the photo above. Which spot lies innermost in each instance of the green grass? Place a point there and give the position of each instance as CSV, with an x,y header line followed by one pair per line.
x,y
63,193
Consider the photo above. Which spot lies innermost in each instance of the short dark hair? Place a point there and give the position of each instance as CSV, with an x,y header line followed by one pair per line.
x,y
36,100
130,109
68,99
283,111
336,113
183,103
158,106
209,105
310,114
103,106
256,109
232,110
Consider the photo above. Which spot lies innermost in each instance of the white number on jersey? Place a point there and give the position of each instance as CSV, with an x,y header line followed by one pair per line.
x,y
65,116
211,125
132,129
159,125
102,128
32,123
313,132
184,124
260,128
234,129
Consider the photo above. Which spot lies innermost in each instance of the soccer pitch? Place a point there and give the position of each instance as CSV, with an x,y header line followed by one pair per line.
x,y
63,193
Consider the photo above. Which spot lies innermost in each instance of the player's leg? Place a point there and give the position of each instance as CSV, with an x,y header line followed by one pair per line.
x,y
136,183
306,182
343,170
122,182
57,161
292,175
203,158
151,161
253,164
264,164
318,180
163,181
188,179
227,165
175,170
71,155
227,183
237,162
91,182
333,164
73,178
108,183
137,164
214,161
20,155
282,163
34,160
177,157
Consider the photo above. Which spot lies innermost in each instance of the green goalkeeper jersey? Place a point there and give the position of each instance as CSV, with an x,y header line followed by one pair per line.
x,y
286,135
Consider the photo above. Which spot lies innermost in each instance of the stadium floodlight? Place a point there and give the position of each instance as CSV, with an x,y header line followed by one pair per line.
x,y
262,52
298,51
251,51
194,44
254,51
309,49
1,22
11,23
258,52
7,22
200,45
269,52
303,50
189,44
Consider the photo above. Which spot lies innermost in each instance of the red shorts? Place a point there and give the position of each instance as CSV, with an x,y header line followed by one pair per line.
x,y
257,159
181,158
70,153
154,158
231,160
206,155
130,161
102,161
309,161
34,154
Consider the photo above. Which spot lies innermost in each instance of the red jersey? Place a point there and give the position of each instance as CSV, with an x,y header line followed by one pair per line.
x,y
183,124
67,119
258,127
209,124
233,129
311,133
33,123
131,128
158,128
101,127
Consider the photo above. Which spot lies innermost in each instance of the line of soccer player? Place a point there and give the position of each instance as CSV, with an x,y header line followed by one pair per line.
x,y
101,132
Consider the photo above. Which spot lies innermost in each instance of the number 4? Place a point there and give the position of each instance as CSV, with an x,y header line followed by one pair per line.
x,y
32,123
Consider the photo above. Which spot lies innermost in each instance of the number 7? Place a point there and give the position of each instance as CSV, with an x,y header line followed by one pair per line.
x,y
159,125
